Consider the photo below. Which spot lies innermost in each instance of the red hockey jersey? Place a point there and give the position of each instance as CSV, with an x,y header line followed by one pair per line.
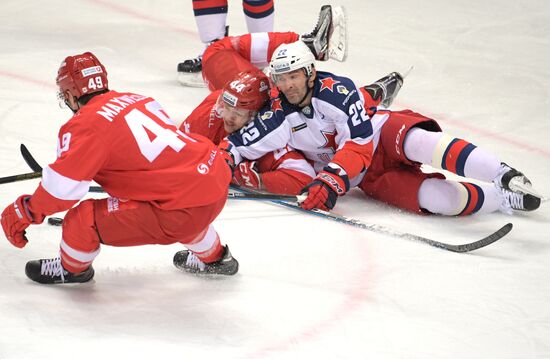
x,y
282,171
128,144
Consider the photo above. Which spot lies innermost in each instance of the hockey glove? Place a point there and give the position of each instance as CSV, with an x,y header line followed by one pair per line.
x,y
225,151
246,174
16,218
325,189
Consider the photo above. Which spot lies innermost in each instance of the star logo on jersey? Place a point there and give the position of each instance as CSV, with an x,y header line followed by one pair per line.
x,y
328,83
276,105
330,140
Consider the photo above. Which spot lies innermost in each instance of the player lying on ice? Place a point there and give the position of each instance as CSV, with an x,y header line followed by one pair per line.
x,y
164,190
240,90
350,144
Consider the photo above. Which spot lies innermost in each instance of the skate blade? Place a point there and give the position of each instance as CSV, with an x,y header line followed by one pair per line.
x,y
518,186
338,42
191,79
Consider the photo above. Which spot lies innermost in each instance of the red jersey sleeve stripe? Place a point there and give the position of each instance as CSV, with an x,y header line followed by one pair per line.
x,y
63,187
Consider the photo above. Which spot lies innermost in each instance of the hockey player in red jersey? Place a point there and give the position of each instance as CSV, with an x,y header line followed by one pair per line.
x,y
231,55
210,16
324,116
233,107
240,89
165,186
223,59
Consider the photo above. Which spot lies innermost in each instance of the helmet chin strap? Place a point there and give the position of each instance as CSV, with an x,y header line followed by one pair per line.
x,y
69,106
309,89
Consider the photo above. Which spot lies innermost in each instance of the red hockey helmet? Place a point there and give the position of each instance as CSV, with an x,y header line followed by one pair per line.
x,y
249,90
81,75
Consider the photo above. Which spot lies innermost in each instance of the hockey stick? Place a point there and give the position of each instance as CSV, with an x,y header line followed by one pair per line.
x,y
21,177
35,166
288,199
458,248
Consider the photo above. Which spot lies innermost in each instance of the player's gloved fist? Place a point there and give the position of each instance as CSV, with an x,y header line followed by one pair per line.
x,y
225,151
15,219
246,174
325,189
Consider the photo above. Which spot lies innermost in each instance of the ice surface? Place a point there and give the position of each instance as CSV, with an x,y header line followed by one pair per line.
x,y
308,287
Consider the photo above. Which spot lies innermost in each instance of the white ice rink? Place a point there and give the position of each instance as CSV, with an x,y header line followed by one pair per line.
x,y
307,287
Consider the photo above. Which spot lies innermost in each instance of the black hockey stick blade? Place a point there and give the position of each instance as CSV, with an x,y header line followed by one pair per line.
x,y
29,159
491,238
457,248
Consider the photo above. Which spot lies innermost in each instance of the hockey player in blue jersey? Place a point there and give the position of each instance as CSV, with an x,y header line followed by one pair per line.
x,y
349,144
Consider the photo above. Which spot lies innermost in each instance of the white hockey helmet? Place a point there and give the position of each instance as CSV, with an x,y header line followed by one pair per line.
x,y
291,57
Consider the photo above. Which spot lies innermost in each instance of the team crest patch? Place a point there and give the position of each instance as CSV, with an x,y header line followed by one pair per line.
x,y
342,89
266,115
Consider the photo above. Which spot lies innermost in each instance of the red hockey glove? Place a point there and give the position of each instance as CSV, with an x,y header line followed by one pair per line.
x,y
15,219
246,174
225,151
325,189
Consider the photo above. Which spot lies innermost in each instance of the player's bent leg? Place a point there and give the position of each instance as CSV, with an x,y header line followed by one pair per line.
x,y
206,255
79,247
259,15
220,66
451,198
397,186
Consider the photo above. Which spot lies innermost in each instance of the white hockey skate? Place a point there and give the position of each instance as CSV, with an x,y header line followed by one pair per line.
x,y
338,40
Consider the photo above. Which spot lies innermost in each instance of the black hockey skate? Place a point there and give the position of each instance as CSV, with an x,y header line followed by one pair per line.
x,y
513,180
386,89
317,40
518,201
50,271
191,65
329,37
188,261
508,177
